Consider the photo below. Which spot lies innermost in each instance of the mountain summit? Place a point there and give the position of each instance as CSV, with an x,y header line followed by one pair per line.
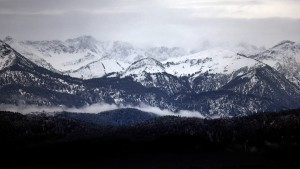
x,y
215,83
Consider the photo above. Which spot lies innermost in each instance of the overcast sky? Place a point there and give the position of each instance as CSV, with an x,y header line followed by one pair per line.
x,y
186,23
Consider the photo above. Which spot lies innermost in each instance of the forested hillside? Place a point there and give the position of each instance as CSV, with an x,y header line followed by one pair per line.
x,y
36,139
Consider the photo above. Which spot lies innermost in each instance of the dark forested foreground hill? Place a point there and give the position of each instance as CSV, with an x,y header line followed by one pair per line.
x,y
266,140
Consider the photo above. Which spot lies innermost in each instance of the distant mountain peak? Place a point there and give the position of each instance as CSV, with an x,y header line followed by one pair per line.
x,y
149,61
217,81
9,40
84,38
7,55
122,45
148,65
284,43
10,58
5,49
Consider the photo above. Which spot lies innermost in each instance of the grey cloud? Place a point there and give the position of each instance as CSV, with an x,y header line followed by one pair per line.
x,y
62,6
94,108
151,22
224,2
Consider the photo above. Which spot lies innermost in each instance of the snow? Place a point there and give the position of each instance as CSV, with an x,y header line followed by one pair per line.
x,y
85,57
65,62
285,50
7,55
213,61
99,68
285,58
6,61
73,55
148,65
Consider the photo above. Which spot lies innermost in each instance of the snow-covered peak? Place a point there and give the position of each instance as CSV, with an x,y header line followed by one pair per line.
x,y
282,52
75,45
286,49
7,55
284,44
122,51
164,53
122,45
99,68
285,58
215,61
247,49
242,48
83,39
9,40
77,54
87,55
83,43
148,65
29,52
61,55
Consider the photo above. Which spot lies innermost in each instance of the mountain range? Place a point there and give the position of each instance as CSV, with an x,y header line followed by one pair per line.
x,y
216,82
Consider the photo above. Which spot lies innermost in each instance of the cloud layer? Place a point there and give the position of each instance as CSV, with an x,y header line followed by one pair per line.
x,y
202,8
185,23
94,108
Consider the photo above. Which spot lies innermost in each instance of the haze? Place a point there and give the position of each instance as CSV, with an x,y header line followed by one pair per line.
x,y
185,23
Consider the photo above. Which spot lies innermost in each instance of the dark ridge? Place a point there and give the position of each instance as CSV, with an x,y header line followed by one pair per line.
x,y
284,42
119,117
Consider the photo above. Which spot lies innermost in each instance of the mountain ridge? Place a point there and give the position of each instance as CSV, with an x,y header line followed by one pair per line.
x,y
214,84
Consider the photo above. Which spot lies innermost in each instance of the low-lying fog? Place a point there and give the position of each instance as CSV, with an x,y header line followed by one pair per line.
x,y
95,108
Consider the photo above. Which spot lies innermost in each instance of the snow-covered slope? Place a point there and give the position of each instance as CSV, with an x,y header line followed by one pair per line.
x,y
30,53
266,82
164,53
285,58
86,56
213,61
247,49
10,59
147,65
7,55
151,73
99,68
66,55
24,82
221,83
205,71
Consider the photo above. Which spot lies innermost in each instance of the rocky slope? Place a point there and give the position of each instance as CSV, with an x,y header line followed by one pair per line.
x,y
213,83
